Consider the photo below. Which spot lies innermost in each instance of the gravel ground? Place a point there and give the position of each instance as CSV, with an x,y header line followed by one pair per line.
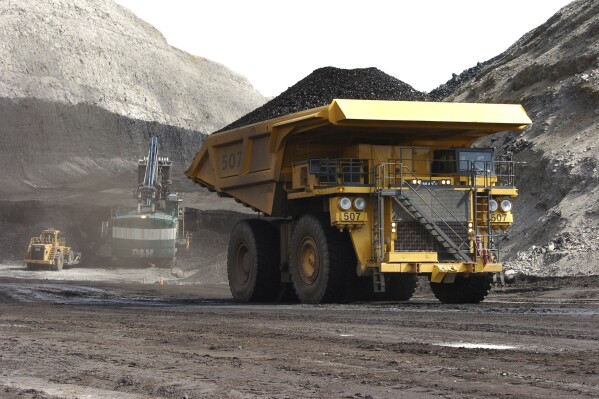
x,y
100,340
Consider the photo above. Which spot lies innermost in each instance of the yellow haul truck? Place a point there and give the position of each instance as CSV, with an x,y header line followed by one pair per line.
x,y
364,197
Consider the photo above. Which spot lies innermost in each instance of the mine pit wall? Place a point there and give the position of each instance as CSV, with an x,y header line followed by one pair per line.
x,y
55,146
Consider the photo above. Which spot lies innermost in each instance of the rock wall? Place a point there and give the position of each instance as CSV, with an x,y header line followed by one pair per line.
x,y
99,53
83,86
554,72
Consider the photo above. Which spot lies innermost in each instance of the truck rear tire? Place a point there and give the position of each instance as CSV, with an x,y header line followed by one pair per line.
x,y
58,262
471,289
253,261
321,261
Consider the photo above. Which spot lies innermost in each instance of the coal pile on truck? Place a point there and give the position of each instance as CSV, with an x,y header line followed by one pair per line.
x,y
325,84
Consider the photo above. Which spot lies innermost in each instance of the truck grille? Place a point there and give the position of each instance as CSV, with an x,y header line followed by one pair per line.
x,y
413,237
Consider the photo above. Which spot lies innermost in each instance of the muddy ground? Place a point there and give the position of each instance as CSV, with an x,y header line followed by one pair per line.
x,y
123,339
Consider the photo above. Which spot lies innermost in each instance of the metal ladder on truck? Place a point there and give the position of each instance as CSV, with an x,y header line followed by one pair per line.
x,y
391,185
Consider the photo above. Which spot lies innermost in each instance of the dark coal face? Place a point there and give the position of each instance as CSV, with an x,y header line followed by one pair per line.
x,y
325,84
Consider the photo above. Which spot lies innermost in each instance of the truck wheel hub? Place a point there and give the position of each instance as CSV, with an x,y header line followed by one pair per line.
x,y
243,263
308,261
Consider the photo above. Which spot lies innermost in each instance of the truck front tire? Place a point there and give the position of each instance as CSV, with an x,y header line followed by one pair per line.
x,y
321,261
471,289
400,286
253,261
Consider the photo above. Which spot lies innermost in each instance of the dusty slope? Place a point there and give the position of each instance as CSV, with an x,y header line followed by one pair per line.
x,y
83,84
97,52
554,72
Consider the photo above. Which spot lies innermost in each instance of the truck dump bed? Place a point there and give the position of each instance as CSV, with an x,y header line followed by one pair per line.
x,y
253,163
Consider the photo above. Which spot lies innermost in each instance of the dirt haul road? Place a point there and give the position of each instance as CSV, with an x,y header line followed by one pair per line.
x,y
123,340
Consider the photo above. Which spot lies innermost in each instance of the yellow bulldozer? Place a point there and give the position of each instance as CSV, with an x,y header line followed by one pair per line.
x,y
50,250
363,197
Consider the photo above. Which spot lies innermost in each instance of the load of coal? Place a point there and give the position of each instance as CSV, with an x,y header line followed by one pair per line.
x,y
325,84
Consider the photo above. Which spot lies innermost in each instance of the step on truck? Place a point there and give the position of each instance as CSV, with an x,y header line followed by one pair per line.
x,y
364,196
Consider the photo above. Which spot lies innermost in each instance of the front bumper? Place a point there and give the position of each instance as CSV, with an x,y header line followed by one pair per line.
x,y
441,271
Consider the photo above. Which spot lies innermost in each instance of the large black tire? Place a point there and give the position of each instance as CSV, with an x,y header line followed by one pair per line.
x,y
58,262
400,286
321,261
364,290
465,289
253,261
287,294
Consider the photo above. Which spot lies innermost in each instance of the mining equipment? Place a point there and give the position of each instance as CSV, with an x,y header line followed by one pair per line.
x,y
363,197
50,250
153,232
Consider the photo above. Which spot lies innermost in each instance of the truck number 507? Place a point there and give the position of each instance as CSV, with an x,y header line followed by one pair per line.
x,y
231,160
351,216
498,217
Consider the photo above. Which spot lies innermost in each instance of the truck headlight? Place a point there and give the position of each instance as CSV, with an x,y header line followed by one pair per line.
x,y
506,205
493,205
360,204
344,204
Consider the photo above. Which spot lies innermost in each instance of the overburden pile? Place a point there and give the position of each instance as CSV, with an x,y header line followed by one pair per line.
x,y
325,84
84,85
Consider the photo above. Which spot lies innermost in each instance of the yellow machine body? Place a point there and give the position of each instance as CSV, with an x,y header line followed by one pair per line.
x,y
50,249
406,160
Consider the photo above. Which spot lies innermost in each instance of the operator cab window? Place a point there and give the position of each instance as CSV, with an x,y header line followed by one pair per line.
x,y
462,161
475,160
444,162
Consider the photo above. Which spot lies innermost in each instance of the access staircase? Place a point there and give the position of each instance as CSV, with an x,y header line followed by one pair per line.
x,y
450,245
395,185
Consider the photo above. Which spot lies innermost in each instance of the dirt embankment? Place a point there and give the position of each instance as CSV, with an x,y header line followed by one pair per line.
x,y
83,85
99,53
554,72
80,154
